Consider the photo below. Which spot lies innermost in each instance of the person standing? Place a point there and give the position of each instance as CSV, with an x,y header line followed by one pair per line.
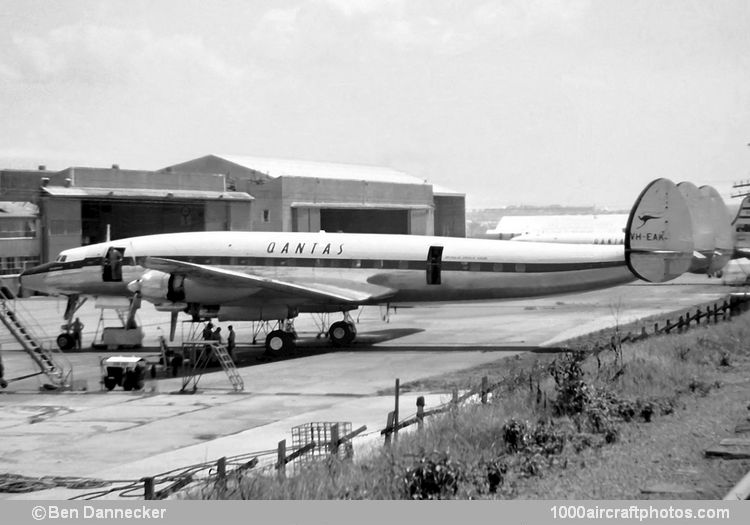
x,y
216,336
208,331
230,341
77,330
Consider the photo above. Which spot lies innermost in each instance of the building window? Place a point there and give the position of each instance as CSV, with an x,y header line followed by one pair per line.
x,y
266,215
15,228
13,265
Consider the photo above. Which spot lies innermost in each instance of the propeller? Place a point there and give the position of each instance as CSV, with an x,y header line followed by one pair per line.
x,y
135,303
173,325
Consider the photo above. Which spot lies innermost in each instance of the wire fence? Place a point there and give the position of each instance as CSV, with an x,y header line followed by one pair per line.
x,y
320,440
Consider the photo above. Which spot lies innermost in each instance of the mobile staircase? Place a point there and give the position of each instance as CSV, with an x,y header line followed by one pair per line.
x,y
51,361
200,354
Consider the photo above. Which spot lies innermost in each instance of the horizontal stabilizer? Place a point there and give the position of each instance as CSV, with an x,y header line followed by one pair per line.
x,y
659,234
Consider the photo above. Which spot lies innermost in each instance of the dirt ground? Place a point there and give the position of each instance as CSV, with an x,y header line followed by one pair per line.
x,y
663,459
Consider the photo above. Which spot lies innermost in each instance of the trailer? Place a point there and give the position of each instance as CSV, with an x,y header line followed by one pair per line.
x,y
125,371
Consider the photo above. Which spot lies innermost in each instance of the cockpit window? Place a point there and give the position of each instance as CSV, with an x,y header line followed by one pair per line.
x,y
61,258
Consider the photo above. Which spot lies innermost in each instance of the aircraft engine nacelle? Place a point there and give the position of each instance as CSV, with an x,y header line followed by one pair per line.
x,y
160,288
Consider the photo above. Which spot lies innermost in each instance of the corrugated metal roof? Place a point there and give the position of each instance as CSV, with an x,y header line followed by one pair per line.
x,y
140,193
360,205
442,191
18,209
322,170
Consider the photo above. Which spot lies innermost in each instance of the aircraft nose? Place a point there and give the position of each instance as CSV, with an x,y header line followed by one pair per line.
x,y
34,278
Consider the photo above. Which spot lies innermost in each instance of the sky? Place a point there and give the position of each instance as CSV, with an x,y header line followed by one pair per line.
x,y
570,102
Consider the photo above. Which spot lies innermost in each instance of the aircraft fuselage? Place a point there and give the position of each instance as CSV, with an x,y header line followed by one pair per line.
x,y
414,268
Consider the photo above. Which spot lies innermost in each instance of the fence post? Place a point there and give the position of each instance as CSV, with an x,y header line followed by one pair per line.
x,y
484,389
148,488
420,412
388,428
281,460
395,411
335,439
221,476
454,401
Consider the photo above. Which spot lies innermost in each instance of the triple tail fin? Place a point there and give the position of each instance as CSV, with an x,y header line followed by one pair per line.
x,y
723,235
659,234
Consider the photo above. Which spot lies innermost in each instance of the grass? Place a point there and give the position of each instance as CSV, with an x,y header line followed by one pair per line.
x,y
547,410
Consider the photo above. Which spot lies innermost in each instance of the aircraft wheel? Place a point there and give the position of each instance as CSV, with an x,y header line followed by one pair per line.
x,y
128,382
65,341
342,333
110,382
278,342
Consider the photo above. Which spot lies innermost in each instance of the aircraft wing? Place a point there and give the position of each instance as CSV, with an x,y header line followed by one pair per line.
x,y
359,292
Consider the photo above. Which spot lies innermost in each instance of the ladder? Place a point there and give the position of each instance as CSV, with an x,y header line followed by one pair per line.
x,y
50,361
200,353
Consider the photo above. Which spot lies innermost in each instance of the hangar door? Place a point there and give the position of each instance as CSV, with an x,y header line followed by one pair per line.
x,y
131,219
364,221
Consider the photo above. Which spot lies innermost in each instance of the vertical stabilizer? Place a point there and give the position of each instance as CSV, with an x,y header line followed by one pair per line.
x,y
704,237
741,227
659,233
724,248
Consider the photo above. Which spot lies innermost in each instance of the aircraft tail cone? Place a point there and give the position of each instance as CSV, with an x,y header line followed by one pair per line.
x,y
659,235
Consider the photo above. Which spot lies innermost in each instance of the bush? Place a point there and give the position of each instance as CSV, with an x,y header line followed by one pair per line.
x,y
433,477
572,390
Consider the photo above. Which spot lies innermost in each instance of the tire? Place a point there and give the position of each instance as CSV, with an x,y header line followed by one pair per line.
x,y
110,382
65,341
279,342
342,333
128,382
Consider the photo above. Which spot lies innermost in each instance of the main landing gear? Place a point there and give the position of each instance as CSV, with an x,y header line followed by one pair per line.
x,y
281,340
342,333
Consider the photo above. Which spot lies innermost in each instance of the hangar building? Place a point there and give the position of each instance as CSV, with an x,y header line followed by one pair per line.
x,y
78,205
81,205
293,195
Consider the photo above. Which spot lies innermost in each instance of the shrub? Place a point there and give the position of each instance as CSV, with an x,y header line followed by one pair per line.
x,y
433,477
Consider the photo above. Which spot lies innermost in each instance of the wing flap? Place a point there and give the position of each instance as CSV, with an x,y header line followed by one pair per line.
x,y
354,293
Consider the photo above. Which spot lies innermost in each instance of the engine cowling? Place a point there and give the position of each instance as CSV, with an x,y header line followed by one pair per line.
x,y
159,287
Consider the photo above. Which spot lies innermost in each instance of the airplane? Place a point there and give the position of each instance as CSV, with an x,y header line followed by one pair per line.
x,y
275,276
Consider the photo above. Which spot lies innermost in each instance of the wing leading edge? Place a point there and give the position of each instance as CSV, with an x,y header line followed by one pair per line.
x,y
356,293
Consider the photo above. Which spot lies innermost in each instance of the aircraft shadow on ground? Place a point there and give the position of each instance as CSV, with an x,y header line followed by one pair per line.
x,y
311,346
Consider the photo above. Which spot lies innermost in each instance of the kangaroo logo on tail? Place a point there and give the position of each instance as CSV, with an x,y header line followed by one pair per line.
x,y
645,218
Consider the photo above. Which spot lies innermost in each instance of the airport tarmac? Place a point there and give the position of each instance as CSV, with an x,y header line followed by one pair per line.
x,y
126,435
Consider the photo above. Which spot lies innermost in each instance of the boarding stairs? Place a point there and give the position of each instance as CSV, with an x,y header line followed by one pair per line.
x,y
21,325
200,354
